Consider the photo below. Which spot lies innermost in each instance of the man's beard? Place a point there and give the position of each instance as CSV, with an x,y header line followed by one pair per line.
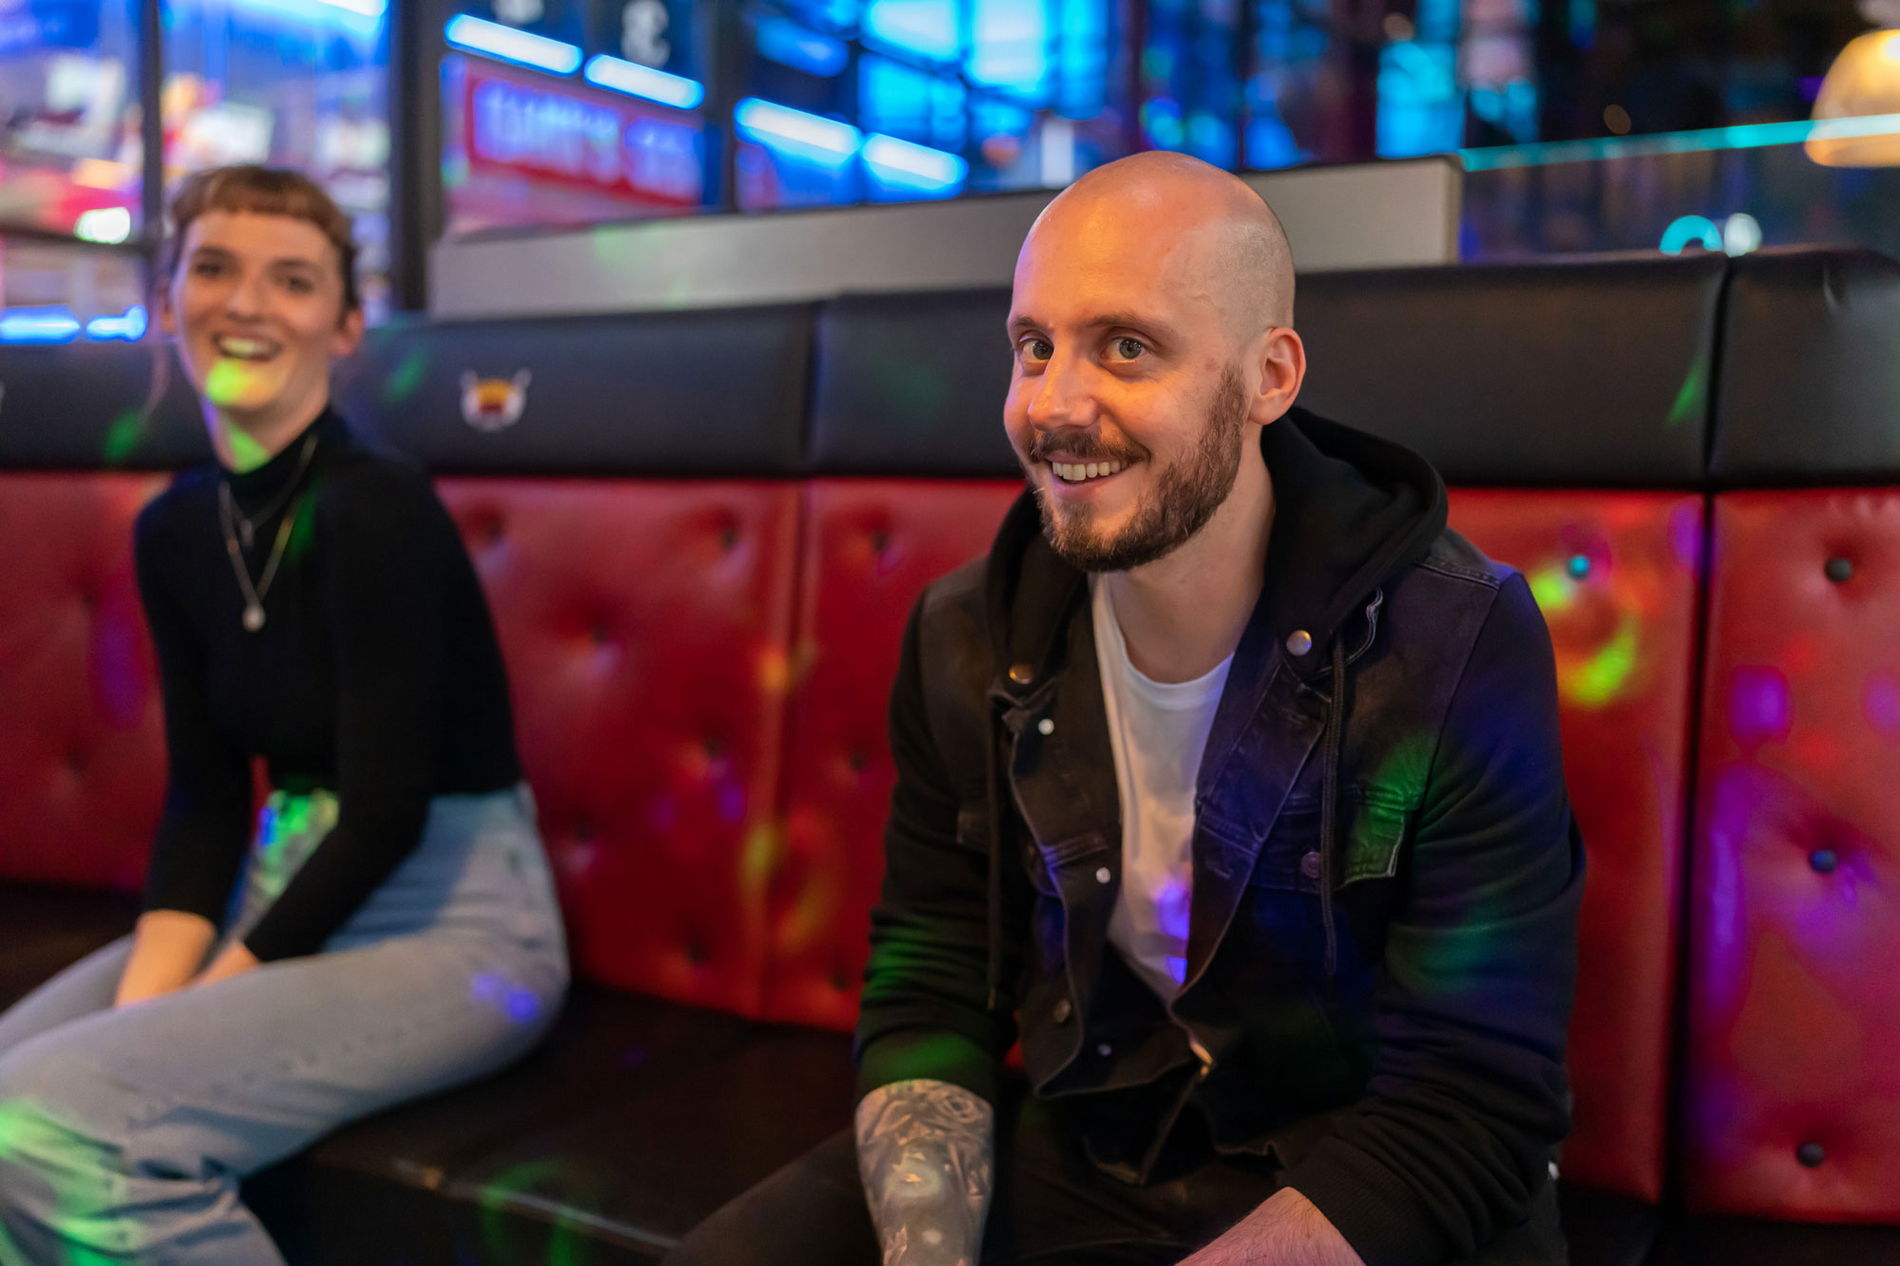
x,y
1183,499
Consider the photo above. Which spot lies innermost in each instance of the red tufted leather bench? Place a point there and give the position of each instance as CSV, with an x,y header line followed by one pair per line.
x,y
699,579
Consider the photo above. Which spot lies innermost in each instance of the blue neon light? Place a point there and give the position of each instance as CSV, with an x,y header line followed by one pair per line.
x,y
643,81
826,142
129,327
1739,136
926,27
38,325
524,48
1688,229
790,44
913,166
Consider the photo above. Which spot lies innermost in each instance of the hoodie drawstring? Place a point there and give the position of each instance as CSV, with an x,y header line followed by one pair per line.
x,y
1333,741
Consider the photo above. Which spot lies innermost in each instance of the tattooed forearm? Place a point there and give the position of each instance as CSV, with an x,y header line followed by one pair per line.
x,y
924,1156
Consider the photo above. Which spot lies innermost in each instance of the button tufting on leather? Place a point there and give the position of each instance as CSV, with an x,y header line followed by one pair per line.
x,y
1824,860
880,540
1840,570
1579,566
858,760
1811,1155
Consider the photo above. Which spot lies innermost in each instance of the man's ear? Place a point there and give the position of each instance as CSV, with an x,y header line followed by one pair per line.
x,y
1282,373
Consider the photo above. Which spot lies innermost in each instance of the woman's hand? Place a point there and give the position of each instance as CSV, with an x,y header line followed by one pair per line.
x,y
167,947
233,960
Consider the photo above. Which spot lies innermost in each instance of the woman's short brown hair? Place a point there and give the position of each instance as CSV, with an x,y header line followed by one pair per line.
x,y
263,191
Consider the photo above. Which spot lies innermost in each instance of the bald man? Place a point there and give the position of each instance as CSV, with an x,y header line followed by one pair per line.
x,y
1230,780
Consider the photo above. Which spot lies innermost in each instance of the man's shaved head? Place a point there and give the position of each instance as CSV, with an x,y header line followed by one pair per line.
x,y
1152,326
1231,242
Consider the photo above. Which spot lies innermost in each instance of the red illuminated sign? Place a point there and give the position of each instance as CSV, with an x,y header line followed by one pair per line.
x,y
552,134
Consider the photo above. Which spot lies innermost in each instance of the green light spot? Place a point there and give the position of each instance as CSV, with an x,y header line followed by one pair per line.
x,y
1604,675
406,377
1551,588
123,436
1692,399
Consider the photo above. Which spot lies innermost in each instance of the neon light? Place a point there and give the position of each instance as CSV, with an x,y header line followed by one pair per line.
x,y
491,39
314,9
129,327
1691,228
823,140
789,44
643,81
1740,136
110,225
38,325
910,164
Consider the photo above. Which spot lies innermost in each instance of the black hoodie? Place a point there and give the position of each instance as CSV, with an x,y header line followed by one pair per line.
x,y
1386,871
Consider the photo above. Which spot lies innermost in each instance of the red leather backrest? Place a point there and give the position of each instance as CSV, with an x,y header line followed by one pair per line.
x,y
1792,1101
1615,574
871,546
646,625
82,765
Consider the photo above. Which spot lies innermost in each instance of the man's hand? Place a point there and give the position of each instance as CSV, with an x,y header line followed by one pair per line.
x,y
1285,1231
924,1153
234,959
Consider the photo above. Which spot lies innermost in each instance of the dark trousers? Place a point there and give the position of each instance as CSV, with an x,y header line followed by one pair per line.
x,y
1051,1207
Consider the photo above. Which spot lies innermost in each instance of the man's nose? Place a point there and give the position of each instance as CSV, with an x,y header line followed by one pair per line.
x,y
1063,397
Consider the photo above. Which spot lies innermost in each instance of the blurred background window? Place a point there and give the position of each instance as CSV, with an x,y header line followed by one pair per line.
x,y
1584,125
70,160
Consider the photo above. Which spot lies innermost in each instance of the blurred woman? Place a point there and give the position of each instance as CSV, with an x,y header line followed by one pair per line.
x,y
389,928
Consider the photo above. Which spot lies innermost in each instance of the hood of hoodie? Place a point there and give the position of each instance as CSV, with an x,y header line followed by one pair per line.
x,y
1351,509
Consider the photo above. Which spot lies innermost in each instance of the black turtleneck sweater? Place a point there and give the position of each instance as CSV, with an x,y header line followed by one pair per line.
x,y
376,674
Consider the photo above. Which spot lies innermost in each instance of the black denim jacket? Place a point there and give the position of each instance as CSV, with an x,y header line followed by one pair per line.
x,y
1386,871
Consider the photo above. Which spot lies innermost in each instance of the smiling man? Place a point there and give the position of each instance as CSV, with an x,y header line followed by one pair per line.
x,y
1230,783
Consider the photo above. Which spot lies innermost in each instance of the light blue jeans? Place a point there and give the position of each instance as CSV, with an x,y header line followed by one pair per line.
x,y
124,1133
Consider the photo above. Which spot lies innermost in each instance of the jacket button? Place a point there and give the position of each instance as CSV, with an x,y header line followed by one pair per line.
x,y
1309,865
1021,674
1045,726
1811,1154
1298,642
1103,874
1062,1011
1104,1050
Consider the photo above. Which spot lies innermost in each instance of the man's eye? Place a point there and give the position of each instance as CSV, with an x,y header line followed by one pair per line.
x,y
1129,348
206,268
1038,348
301,285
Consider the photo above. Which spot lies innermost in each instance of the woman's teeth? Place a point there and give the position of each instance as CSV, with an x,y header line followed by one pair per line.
x,y
246,348
1077,472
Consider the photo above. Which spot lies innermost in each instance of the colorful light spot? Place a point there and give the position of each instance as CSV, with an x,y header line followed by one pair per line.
x,y
1759,708
1880,700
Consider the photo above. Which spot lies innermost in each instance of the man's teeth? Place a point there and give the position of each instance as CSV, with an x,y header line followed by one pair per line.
x,y
246,348
1076,472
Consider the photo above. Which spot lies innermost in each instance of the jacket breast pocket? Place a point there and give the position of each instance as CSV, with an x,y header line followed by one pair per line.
x,y
1373,829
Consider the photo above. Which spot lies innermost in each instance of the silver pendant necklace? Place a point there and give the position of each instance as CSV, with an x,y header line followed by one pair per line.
x,y
247,526
238,532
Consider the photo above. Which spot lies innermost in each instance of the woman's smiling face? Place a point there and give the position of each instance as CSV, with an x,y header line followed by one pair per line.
x,y
257,306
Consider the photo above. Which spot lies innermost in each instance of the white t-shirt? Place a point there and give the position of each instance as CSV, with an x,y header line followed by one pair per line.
x,y
1159,730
